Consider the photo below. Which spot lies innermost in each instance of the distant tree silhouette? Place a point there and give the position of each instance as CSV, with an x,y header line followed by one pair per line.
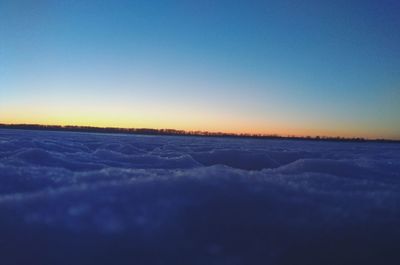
x,y
150,131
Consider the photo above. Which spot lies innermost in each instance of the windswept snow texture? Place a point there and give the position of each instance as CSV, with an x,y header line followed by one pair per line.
x,y
76,198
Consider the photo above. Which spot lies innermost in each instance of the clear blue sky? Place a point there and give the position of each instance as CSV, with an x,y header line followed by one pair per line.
x,y
286,67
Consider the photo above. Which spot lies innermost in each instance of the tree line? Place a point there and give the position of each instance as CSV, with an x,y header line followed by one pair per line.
x,y
150,131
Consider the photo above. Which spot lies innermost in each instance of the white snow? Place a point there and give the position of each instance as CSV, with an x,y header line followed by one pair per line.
x,y
77,198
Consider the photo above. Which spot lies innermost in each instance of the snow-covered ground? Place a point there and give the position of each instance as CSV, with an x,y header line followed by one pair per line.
x,y
76,198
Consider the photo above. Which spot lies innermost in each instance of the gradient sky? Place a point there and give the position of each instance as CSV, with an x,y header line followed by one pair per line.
x,y
286,67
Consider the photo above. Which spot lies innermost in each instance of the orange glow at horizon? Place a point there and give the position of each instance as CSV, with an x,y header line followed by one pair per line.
x,y
174,119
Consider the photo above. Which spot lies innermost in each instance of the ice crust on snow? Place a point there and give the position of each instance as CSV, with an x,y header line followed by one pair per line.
x,y
77,198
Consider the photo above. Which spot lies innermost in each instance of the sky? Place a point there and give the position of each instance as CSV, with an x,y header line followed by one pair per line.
x,y
275,67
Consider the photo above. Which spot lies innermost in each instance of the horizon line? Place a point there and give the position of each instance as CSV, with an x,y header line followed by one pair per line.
x,y
171,131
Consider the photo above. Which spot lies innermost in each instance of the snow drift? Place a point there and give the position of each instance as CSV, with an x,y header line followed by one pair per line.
x,y
76,198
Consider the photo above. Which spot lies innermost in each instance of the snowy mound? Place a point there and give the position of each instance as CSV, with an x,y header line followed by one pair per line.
x,y
75,198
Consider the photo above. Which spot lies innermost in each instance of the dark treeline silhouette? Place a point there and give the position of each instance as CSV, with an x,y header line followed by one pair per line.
x,y
149,131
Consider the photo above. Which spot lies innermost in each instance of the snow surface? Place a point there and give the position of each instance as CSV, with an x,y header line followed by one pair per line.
x,y
77,198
